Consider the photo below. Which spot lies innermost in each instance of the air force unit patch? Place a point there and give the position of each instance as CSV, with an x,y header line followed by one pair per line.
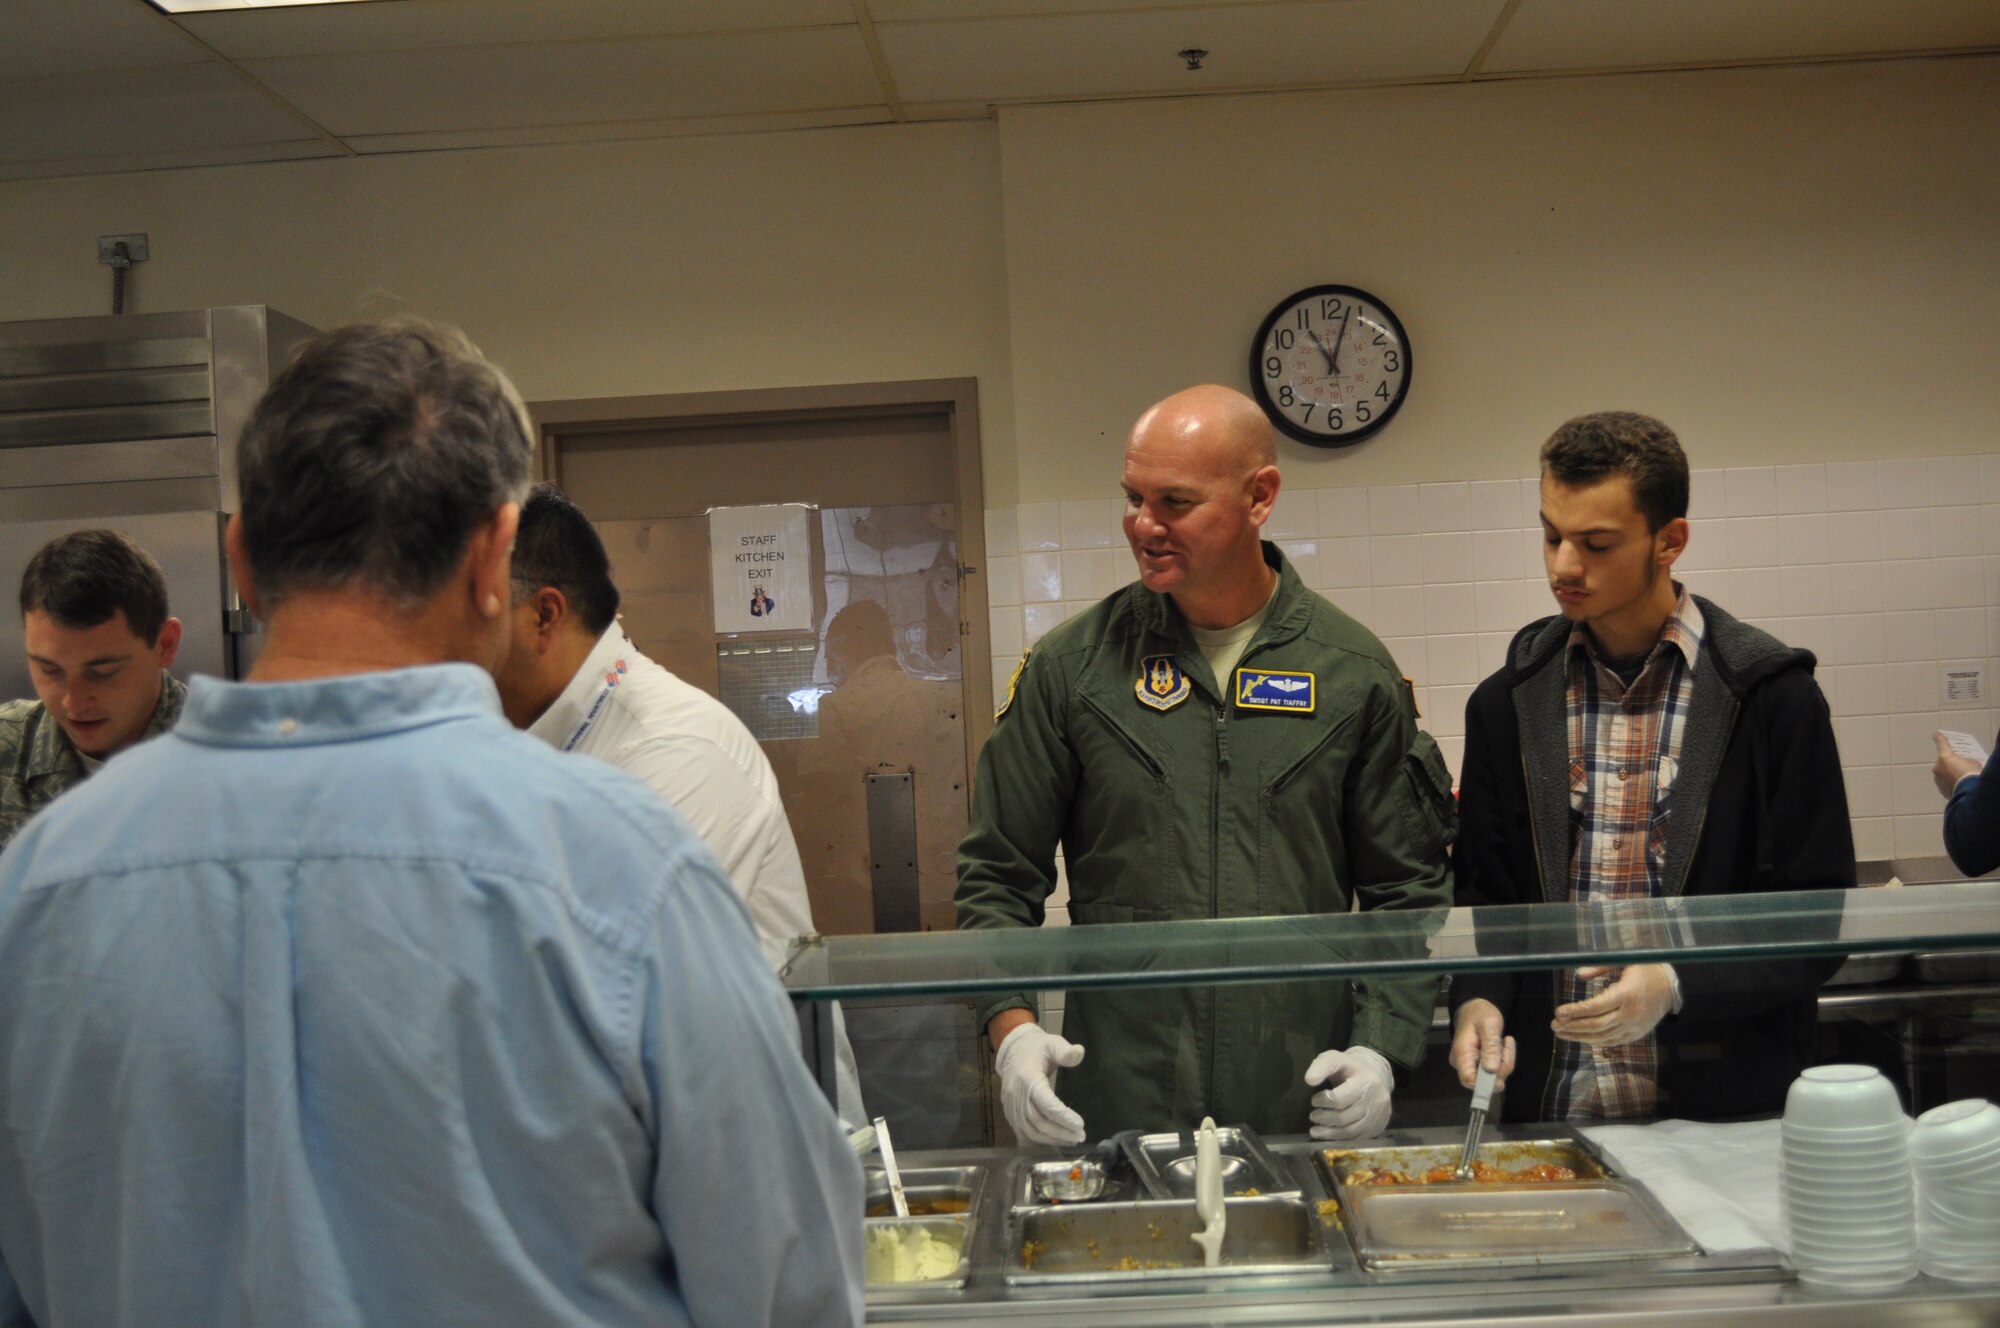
x,y
1162,685
1270,689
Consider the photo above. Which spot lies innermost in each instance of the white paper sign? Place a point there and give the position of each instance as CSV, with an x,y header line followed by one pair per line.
x,y
1964,686
760,560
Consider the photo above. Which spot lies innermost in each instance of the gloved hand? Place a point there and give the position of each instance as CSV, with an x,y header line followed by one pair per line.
x,y
1026,1059
1640,996
1354,1104
1477,1040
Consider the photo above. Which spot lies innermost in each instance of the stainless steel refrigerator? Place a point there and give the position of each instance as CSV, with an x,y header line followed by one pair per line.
x,y
130,422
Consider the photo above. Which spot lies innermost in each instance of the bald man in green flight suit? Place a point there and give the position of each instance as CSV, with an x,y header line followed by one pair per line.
x,y
1212,741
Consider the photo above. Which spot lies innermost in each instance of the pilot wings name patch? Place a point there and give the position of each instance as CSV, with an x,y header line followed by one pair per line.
x,y
1270,689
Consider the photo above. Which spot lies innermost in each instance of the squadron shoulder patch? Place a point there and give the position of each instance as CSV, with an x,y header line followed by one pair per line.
x,y
1274,689
1162,684
1013,681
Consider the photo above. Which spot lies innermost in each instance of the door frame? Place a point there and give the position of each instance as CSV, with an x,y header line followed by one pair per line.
x,y
956,398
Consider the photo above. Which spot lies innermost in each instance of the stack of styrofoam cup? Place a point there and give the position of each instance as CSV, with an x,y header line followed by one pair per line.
x,y
1849,1198
1956,1151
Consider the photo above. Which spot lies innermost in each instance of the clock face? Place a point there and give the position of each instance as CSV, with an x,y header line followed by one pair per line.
x,y
1330,365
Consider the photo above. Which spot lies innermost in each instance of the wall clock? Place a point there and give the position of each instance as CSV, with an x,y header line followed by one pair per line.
x,y
1330,365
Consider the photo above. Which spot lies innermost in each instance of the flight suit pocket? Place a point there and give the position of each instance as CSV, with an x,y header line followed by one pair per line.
x,y
1430,792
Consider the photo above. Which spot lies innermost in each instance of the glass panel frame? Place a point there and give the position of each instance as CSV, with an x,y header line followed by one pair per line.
x,y
1715,928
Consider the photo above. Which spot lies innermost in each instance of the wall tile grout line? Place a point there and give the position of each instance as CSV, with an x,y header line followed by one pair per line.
x,y
1888,570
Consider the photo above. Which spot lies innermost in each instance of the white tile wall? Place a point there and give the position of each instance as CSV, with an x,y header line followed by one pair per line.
x,y
1887,570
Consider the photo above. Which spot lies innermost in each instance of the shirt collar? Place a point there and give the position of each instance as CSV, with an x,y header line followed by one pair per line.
x,y
1682,630
339,709
560,720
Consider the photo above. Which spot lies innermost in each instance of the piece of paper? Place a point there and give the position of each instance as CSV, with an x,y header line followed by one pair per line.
x,y
1719,1181
1964,744
760,559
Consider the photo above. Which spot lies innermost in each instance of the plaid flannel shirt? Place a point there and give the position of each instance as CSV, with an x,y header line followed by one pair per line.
x,y
1624,754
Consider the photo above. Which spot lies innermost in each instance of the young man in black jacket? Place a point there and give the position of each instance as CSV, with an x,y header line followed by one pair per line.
x,y
1642,745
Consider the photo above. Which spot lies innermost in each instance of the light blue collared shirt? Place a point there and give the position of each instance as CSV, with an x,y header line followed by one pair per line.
x,y
347,1004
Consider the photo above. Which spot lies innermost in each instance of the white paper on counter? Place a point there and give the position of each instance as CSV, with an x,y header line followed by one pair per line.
x,y
1719,1181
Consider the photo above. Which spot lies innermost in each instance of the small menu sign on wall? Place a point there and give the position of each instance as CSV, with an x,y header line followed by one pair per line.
x,y
760,560
1964,686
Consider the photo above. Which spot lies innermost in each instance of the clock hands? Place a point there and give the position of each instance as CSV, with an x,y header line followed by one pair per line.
x,y
1333,362
1332,365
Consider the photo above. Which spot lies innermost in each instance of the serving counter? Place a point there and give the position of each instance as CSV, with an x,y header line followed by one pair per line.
x,y
1738,1286
1316,1278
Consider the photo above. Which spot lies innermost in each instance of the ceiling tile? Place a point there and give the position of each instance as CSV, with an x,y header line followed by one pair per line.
x,y
182,108
497,87
410,24
1121,54
43,37
1590,34
892,11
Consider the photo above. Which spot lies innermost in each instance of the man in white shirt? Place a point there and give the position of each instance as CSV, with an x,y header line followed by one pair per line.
x,y
576,681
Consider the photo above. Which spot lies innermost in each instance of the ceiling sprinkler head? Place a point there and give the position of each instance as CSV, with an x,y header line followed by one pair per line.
x,y
1194,55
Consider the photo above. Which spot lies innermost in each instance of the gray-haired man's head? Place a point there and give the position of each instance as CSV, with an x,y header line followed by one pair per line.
x,y
373,458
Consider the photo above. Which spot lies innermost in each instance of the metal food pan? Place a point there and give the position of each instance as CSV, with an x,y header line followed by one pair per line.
x,y
880,1236
1123,1243
1567,1150
931,1191
945,1206
1165,1164
1119,1187
1599,1216
1409,1227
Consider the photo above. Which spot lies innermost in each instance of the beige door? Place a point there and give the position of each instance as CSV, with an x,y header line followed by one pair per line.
x,y
880,685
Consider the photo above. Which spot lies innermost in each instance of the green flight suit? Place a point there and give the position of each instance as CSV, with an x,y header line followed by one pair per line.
x,y
1210,809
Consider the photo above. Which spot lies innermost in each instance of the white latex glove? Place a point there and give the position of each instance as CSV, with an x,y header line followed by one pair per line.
x,y
1354,1100
1639,997
1026,1059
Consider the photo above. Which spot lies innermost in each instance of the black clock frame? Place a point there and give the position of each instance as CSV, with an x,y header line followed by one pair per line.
x,y
1290,427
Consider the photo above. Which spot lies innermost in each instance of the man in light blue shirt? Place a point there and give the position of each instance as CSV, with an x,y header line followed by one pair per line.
x,y
348,1004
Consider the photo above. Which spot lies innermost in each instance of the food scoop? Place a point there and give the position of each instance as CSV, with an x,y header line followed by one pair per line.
x,y
1482,1098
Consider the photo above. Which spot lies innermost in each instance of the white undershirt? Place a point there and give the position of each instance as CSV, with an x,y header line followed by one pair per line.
x,y
1223,646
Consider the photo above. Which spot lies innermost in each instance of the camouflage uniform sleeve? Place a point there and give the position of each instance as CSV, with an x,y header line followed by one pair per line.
x,y
18,800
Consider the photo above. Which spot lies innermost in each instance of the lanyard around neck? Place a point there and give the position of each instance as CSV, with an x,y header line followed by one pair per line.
x,y
612,678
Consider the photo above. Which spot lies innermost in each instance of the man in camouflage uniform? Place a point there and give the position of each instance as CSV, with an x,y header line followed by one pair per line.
x,y
99,643
1213,741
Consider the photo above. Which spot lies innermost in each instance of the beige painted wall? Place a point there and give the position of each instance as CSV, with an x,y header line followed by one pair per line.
x,y
1790,265
1787,265
828,256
